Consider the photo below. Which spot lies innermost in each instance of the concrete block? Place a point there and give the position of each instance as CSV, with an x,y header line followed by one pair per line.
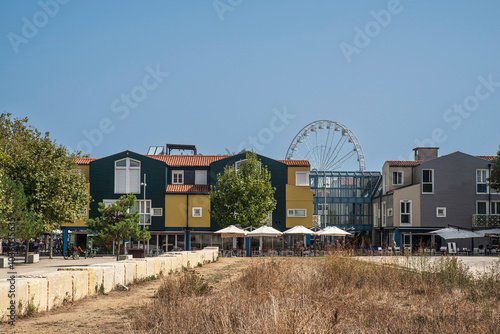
x,y
33,258
141,267
130,272
119,272
125,257
22,296
108,278
59,288
184,257
5,302
95,277
37,290
80,284
176,262
4,262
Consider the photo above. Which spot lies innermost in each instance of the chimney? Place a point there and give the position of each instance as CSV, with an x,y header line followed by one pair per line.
x,y
425,153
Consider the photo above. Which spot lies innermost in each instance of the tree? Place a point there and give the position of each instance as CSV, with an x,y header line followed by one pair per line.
x,y
55,191
118,221
245,196
27,224
494,178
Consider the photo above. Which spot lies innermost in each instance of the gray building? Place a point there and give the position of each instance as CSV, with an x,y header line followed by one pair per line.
x,y
431,192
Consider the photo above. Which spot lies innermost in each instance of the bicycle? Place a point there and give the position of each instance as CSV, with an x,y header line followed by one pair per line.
x,y
68,254
90,252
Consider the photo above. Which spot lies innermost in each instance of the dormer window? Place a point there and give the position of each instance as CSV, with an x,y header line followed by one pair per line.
x,y
397,178
127,176
177,177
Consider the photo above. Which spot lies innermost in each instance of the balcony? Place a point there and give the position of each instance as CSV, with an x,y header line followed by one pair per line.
x,y
485,220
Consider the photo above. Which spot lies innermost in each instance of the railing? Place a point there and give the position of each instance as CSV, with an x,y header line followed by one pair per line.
x,y
485,220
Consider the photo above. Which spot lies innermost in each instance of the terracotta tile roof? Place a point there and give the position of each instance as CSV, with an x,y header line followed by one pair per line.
x,y
401,163
83,161
296,163
187,188
487,157
188,160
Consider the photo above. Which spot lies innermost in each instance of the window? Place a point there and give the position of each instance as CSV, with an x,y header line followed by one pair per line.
x,y
405,212
157,212
397,178
440,212
200,177
389,212
177,177
384,214
482,208
108,202
376,214
237,164
296,212
481,177
495,208
428,181
145,216
302,178
127,176
196,212
83,212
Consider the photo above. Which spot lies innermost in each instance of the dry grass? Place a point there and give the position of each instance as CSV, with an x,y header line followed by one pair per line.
x,y
328,295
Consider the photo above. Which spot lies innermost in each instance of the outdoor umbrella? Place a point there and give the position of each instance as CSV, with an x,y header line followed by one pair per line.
x,y
492,232
300,230
232,232
333,230
454,233
265,231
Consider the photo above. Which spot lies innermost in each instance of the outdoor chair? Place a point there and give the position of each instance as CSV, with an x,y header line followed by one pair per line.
x,y
481,251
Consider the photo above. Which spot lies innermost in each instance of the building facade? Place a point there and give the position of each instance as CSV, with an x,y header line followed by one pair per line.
x,y
173,194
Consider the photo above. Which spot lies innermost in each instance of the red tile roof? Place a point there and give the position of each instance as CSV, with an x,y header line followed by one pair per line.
x,y
187,188
401,163
487,157
188,160
296,163
83,161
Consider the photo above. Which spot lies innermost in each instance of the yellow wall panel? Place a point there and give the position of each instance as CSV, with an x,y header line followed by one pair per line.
x,y
203,202
299,198
175,210
291,175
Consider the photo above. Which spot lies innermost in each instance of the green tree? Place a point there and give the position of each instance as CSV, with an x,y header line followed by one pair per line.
x,y
494,178
245,196
27,224
55,191
118,221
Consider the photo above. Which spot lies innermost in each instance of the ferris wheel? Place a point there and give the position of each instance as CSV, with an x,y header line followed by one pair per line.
x,y
328,146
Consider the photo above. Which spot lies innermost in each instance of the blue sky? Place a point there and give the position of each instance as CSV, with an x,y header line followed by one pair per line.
x,y
398,74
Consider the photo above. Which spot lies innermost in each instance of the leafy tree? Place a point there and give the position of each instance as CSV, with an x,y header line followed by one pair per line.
x,y
243,197
27,224
494,178
55,191
117,222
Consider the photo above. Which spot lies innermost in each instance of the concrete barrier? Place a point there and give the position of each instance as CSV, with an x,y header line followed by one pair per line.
x,y
4,262
33,258
73,283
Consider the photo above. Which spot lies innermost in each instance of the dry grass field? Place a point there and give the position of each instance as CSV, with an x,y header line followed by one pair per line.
x,y
327,295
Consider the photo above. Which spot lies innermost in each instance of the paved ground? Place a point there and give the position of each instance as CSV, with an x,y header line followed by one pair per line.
x,y
477,264
47,265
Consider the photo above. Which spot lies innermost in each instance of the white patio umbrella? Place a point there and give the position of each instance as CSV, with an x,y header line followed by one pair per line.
x,y
455,233
492,232
232,232
265,231
333,230
299,229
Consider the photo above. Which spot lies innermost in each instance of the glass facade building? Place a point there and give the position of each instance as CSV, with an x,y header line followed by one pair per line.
x,y
343,199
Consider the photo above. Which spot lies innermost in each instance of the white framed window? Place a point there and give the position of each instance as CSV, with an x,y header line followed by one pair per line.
x,y
405,212
384,214
302,178
83,212
389,212
397,178
427,181
495,208
108,202
197,212
144,211
177,177
481,181
482,207
237,164
127,176
157,212
376,214
440,212
297,213
200,177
